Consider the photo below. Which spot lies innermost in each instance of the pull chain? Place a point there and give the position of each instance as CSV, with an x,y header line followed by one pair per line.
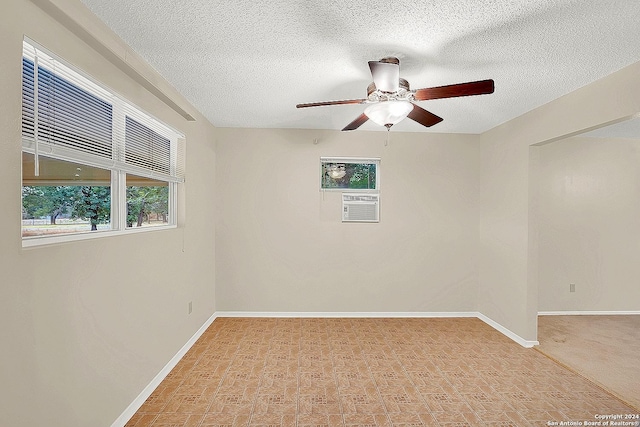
x,y
388,126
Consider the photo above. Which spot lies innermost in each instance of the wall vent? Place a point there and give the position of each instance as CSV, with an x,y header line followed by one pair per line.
x,y
360,207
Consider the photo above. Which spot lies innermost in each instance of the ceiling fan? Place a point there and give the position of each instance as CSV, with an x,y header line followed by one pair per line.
x,y
391,100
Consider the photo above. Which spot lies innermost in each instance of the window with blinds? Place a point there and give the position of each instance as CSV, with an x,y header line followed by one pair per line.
x,y
88,150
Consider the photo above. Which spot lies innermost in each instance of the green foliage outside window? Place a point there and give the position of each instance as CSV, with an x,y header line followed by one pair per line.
x,y
349,176
145,203
91,204
83,208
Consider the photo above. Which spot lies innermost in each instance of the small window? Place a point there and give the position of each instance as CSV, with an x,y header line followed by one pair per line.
x,y
344,174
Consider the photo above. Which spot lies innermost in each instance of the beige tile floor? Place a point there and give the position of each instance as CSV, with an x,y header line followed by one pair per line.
x,y
368,372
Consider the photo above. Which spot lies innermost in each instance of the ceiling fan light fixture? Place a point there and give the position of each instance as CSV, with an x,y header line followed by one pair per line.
x,y
388,113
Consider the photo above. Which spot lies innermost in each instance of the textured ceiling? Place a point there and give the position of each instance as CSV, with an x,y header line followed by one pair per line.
x,y
247,63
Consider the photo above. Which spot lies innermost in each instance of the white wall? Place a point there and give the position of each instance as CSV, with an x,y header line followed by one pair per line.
x,y
507,262
87,325
281,245
589,213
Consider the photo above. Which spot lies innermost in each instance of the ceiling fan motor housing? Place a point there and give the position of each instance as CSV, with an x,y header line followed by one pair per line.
x,y
403,85
403,93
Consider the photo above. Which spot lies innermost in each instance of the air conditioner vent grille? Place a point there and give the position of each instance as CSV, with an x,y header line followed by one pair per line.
x,y
360,207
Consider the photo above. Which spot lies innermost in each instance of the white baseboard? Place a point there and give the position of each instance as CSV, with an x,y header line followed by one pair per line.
x,y
515,337
334,314
155,382
588,313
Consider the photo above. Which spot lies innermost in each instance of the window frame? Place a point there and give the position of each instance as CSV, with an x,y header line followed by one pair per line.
x,y
117,164
350,160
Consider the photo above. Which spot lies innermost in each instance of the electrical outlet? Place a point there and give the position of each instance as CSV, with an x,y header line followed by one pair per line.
x,y
572,287
190,306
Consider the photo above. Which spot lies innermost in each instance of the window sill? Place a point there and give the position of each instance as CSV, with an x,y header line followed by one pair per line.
x,y
38,241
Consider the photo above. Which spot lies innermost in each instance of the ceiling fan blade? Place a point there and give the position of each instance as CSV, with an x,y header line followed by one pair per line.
x,y
424,117
357,122
386,75
480,87
319,104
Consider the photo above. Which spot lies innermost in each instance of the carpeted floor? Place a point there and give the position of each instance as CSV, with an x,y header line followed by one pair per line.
x,y
369,372
605,349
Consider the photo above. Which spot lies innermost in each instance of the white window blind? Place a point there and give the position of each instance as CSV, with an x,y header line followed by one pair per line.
x,y
68,116
146,148
27,98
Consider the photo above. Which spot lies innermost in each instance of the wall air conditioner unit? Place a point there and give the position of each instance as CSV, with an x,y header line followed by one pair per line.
x,y
360,207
